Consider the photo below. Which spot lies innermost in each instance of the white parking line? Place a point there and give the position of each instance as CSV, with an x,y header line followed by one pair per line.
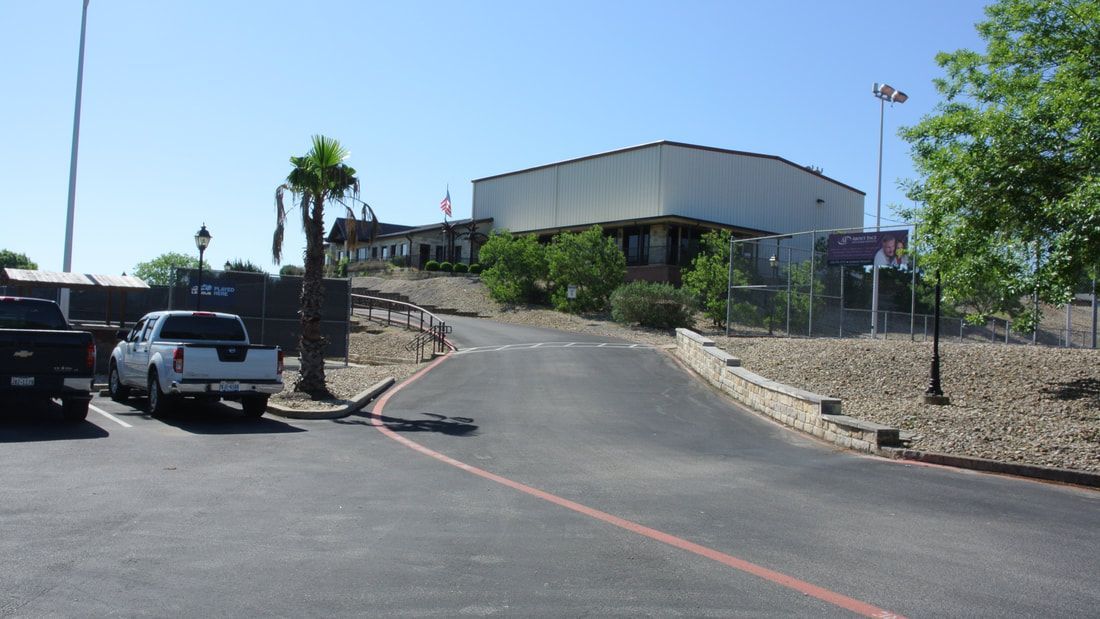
x,y
110,416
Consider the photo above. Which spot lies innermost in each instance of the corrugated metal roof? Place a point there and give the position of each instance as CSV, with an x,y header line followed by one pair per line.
x,y
54,279
23,277
119,281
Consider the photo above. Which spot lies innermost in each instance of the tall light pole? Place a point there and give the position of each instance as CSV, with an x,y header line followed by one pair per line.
x,y
884,93
202,241
67,261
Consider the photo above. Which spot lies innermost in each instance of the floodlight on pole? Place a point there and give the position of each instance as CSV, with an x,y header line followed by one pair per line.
x,y
884,93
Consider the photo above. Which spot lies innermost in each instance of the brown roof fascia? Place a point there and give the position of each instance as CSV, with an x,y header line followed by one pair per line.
x,y
671,143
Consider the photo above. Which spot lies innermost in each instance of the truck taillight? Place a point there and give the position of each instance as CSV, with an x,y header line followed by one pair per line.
x,y
279,367
177,361
90,358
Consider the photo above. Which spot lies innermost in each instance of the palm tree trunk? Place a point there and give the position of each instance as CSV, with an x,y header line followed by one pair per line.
x,y
311,345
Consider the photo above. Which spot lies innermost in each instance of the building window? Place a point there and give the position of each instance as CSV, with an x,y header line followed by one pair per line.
x,y
439,253
374,253
636,245
458,254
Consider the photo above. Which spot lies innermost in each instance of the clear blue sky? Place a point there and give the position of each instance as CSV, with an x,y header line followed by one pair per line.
x,y
191,109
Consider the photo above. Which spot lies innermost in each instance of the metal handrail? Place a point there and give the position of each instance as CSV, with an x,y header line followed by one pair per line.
x,y
430,326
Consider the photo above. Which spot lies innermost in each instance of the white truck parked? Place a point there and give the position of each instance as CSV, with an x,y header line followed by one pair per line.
x,y
204,355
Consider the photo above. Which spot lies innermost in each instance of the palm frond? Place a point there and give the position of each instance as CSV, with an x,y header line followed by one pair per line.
x,y
280,226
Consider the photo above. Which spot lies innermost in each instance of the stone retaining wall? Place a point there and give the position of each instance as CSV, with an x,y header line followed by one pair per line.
x,y
805,411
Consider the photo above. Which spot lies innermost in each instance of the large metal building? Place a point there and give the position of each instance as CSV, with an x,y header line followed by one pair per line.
x,y
657,200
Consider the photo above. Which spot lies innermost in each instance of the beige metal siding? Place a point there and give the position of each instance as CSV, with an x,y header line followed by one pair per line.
x,y
753,192
617,187
518,202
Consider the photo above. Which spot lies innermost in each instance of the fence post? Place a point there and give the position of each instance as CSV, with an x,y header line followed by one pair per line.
x,y
961,323
886,325
1008,327
263,311
925,339
813,271
913,300
843,276
729,288
788,292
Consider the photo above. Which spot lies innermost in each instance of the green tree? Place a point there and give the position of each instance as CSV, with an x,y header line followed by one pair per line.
x,y
1009,164
292,269
244,266
318,177
708,277
161,271
588,260
12,260
512,267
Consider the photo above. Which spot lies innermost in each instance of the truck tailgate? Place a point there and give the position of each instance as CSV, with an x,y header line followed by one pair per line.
x,y
240,362
48,357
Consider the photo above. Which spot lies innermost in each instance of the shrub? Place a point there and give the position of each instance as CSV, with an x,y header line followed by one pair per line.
x,y
431,265
652,305
446,267
461,268
590,261
708,277
475,268
512,267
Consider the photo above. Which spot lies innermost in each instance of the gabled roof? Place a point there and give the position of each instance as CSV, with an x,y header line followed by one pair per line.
x,y
338,234
671,143
432,227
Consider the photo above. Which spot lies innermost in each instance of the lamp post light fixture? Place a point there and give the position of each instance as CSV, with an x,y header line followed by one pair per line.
x,y
884,93
202,241
228,266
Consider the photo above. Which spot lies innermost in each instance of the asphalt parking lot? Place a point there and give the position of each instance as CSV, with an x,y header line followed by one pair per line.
x,y
517,480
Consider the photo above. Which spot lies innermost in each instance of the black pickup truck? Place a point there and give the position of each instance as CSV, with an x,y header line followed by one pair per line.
x,y
42,357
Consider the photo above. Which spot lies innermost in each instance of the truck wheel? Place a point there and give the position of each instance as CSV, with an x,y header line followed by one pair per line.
x,y
74,410
159,403
119,392
254,406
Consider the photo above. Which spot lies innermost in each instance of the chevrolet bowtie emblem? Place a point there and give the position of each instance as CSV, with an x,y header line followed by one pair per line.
x,y
23,354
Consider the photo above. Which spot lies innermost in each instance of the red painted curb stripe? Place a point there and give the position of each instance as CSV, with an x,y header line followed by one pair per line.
x,y
836,599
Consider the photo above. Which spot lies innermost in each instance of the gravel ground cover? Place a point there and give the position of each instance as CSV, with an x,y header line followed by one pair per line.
x,y
376,353
1026,404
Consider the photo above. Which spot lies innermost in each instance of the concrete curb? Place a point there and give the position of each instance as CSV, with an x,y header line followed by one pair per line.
x,y
1034,471
359,401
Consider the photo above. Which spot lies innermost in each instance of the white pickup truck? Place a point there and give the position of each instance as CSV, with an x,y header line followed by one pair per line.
x,y
204,355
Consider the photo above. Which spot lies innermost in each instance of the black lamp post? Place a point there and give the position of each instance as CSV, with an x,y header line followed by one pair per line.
x,y
228,266
934,393
202,241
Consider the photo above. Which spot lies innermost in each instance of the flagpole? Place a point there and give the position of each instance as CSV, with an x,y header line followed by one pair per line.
x,y
67,260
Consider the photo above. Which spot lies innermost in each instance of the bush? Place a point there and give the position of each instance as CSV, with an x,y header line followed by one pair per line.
x,y
590,261
461,268
475,268
446,267
652,305
512,267
431,265
293,270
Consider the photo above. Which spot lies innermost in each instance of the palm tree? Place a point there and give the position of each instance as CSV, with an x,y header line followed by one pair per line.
x,y
318,177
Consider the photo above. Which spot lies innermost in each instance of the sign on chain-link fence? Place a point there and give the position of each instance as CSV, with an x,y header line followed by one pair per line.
x,y
268,305
799,285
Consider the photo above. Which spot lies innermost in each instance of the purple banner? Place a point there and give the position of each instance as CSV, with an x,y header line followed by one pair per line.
x,y
863,248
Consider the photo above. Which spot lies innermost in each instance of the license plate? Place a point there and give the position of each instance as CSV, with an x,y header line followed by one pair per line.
x,y
230,387
22,381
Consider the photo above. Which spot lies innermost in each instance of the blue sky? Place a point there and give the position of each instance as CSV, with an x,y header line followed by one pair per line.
x,y
192,109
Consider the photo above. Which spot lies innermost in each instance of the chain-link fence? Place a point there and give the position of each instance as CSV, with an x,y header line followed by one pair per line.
x,y
267,304
785,286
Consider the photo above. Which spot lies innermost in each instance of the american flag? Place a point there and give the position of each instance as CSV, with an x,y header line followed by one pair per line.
x,y
445,204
